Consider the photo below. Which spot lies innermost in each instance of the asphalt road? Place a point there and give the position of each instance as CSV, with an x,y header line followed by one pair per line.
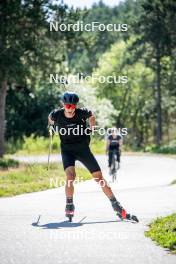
x,y
33,228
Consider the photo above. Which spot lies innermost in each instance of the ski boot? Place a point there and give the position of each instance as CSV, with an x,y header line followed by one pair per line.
x,y
69,211
121,212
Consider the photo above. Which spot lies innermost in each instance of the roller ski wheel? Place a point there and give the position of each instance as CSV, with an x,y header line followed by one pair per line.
x,y
70,215
69,211
124,216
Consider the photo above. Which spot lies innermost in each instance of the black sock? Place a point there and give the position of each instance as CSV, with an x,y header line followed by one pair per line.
x,y
115,204
69,200
113,199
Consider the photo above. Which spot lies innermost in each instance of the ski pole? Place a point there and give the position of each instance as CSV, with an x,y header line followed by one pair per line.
x,y
50,145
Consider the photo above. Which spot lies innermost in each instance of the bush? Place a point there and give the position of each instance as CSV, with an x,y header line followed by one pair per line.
x,y
12,145
8,163
37,145
165,149
163,231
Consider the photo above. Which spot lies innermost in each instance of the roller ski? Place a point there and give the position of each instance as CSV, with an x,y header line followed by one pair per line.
x,y
121,212
128,217
69,211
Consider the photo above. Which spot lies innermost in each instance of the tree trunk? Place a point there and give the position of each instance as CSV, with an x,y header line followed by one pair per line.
x,y
158,98
119,121
3,91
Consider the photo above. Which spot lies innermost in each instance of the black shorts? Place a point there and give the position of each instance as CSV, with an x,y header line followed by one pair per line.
x,y
79,151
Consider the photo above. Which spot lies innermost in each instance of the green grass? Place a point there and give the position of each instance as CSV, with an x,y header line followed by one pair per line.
x,y
37,145
98,146
163,231
33,178
40,145
173,182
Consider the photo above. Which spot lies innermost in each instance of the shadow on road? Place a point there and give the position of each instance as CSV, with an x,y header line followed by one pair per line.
x,y
57,225
64,224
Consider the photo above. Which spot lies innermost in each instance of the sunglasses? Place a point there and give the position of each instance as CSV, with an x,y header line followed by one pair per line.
x,y
68,106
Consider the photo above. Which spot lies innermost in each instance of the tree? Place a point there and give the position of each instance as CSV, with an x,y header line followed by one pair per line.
x,y
28,50
20,23
153,28
133,100
85,56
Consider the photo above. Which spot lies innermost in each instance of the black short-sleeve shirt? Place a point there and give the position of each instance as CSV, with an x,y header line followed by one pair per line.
x,y
74,127
114,142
